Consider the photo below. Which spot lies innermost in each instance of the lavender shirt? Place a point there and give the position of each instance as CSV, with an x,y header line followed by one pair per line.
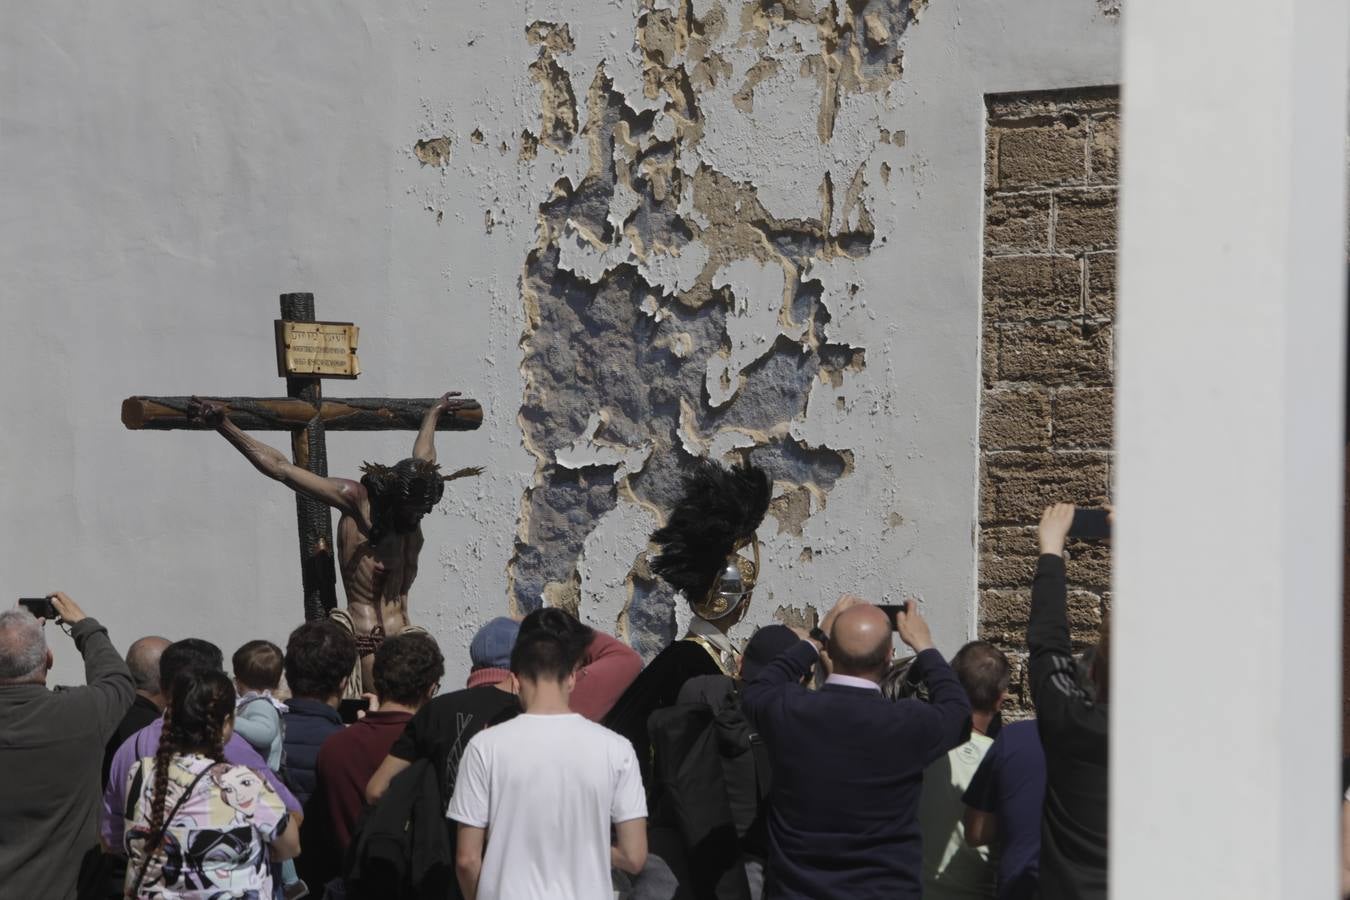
x,y
144,743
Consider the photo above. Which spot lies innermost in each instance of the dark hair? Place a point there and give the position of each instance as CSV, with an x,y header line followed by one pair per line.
x,y
189,653
541,655
406,667
318,656
984,672
899,684
201,701
575,636
416,484
257,665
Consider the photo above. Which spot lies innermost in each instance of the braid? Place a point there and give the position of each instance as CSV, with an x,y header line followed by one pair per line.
x,y
163,759
201,702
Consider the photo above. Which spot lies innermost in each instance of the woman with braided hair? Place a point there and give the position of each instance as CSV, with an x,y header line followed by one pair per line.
x,y
197,826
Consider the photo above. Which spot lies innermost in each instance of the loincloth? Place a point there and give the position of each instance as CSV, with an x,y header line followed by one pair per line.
x,y
366,645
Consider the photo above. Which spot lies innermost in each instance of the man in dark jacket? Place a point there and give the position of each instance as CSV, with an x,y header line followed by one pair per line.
x,y
51,749
148,705
1073,730
848,763
319,658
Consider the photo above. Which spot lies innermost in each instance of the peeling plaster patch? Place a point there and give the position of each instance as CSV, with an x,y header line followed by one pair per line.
x,y
681,302
607,562
433,151
757,289
558,103
1110,8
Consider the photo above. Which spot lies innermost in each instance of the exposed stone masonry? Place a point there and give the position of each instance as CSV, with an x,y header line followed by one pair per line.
x,y
1048,349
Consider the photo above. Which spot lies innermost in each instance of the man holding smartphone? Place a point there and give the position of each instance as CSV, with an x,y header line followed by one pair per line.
x,y
51,742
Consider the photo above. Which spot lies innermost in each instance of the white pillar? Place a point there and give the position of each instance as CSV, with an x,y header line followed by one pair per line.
x,y
1225,709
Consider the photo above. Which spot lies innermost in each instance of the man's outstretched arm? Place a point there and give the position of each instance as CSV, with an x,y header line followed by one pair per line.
x,y
425,445
342,494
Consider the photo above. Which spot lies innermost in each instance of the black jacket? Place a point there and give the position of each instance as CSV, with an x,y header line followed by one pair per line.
x,y
402,847
710,778
657,687
1073,731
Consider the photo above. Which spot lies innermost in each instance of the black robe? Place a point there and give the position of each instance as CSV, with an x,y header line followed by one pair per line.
x,y
657,687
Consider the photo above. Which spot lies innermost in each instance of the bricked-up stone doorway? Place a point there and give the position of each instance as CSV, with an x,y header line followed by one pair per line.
x,y
1048,361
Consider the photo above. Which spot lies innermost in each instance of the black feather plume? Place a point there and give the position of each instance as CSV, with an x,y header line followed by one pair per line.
x,y
720,508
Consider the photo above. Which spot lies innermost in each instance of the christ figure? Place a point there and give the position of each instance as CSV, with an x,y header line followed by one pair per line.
x,y
379,535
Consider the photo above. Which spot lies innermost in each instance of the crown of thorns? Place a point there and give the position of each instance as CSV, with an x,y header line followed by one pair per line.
x,y
416,483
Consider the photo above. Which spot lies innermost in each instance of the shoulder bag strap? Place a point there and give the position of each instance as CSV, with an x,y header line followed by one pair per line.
x,y
153,844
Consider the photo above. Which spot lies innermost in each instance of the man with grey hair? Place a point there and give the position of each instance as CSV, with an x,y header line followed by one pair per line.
x,y
51,744
143,661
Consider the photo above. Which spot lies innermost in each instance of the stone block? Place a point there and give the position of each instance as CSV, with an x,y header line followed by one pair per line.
x,y
1015,488
989,357
1104,150
1085,220
1055,353
1003,615
1015,419
1017,223
1101,285
1088,566
1047,155
1007,557
1083,418
1029,288
1011,108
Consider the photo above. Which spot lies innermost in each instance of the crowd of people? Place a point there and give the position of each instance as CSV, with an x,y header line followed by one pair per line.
x,y
804,764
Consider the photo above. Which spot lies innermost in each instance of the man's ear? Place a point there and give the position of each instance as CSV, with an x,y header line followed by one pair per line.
x,y
515,684
1002,697
51,659
342,686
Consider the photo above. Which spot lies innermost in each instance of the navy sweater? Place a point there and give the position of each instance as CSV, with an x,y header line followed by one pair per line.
x,y
308,724
847,768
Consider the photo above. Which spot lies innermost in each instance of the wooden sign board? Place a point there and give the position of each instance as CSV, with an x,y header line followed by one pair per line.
x,y
317,349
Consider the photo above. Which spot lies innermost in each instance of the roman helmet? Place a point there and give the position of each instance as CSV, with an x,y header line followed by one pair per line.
x,y
705,540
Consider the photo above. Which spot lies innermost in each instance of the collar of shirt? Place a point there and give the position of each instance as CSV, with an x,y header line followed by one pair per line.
x,y
850,681
713,635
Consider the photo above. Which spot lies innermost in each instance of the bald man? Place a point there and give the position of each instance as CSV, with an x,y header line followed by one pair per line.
x,y
143,661
848,763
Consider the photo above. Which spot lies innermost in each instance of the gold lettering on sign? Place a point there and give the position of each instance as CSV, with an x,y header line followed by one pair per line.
x,y
317,349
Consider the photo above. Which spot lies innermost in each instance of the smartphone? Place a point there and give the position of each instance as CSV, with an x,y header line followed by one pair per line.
x,y
41,607
892,610
1090,524
347,709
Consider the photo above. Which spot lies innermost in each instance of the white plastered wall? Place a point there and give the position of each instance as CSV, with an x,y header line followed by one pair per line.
x,y
169,168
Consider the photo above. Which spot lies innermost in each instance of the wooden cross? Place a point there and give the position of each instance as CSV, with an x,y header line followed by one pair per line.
x,y
307,416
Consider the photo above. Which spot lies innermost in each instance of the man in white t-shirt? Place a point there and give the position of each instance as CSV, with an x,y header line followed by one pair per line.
x,y
953,870
536,796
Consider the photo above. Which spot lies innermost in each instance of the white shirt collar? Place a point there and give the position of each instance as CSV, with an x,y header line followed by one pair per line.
x,y
851,681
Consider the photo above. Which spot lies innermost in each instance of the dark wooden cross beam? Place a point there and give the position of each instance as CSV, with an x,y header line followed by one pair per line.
x,y
307,416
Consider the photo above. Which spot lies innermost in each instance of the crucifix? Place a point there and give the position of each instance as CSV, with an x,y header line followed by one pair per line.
x,y
379,535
